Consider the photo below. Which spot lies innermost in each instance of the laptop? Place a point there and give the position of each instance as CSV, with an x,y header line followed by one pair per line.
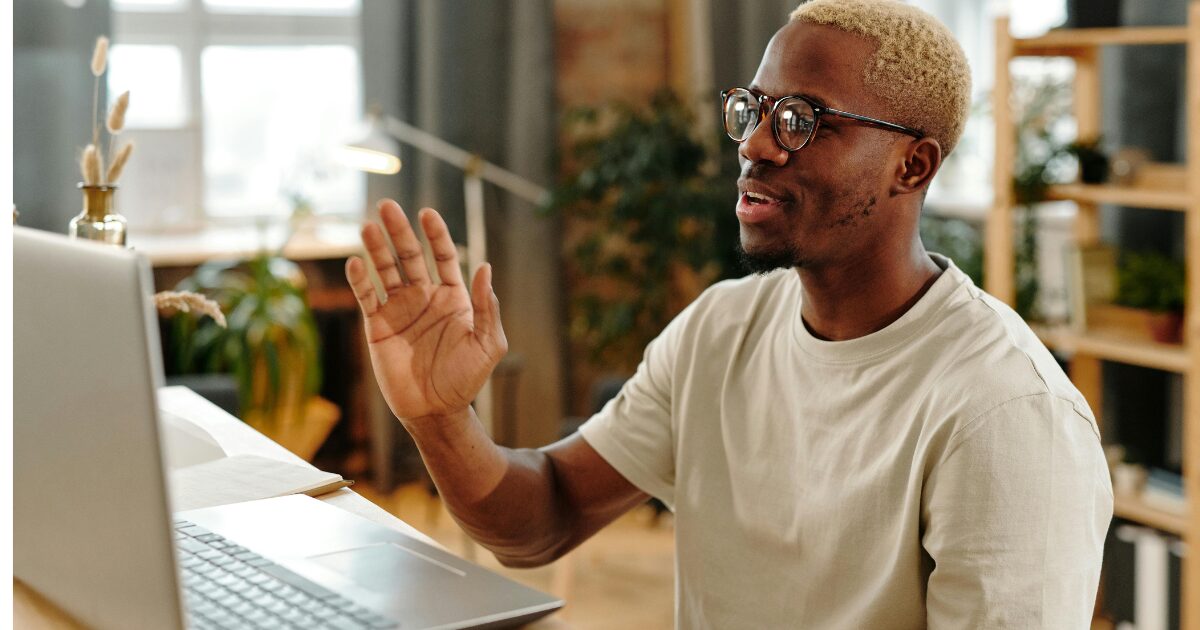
x,y
92,530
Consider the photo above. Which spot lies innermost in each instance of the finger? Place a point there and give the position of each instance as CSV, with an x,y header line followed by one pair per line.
x,y
444,253
382,258
360,283
487,312
408,248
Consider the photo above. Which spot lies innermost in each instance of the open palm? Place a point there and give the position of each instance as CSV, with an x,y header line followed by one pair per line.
x,y
432,345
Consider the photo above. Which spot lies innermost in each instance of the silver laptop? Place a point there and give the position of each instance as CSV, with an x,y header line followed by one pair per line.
x,y
91,525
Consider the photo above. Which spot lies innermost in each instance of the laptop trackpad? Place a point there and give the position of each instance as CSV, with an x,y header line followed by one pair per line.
x,y
389,568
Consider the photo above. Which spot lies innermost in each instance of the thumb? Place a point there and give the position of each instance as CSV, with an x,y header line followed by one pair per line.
x,y
487,312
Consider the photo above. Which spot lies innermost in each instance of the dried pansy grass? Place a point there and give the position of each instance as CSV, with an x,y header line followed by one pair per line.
x,y
91,165
118,163
169,303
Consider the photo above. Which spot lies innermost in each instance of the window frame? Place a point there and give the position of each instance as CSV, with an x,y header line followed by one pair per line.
x,y
192,27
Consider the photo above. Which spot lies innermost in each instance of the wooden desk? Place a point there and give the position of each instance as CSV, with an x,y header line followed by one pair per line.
x,y
32,611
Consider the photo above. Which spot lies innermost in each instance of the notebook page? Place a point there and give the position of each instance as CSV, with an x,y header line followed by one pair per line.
x,y
241,478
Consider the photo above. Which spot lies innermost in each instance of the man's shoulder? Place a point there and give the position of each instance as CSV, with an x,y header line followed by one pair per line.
x,y
995,358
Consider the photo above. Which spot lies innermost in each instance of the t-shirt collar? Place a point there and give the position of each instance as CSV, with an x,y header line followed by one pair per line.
x,y
893,335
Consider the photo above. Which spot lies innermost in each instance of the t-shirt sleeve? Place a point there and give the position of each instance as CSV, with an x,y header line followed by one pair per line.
x,y
634,431
1015,517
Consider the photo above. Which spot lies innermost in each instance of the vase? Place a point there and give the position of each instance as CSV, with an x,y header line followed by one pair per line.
x,y
98,221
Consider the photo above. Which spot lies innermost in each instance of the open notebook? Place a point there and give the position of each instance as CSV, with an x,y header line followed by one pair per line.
x,y
245,478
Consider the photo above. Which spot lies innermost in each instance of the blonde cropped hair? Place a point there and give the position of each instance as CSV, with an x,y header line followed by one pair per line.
x,y
918,69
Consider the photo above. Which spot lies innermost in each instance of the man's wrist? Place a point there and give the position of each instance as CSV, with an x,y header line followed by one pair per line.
x,y
439,425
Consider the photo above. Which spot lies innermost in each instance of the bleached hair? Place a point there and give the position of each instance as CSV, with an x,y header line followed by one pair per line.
x,y
918,69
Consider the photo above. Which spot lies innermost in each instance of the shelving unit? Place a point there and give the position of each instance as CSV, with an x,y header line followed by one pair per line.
x,y
1160,187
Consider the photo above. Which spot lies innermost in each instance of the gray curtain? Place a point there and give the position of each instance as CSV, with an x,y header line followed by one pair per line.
x,y
480,75
52,105
740,32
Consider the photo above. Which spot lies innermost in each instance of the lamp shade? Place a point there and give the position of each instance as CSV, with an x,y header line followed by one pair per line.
x,y
374,152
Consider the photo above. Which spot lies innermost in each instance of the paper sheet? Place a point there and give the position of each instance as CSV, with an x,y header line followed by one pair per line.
x,y
242,478
185,443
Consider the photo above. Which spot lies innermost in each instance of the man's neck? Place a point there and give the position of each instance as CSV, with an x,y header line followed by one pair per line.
x,y
850,301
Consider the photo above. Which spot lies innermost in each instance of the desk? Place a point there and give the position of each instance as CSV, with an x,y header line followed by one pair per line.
x,y
33,612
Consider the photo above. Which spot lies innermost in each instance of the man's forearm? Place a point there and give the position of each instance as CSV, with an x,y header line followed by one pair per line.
x,y
505,499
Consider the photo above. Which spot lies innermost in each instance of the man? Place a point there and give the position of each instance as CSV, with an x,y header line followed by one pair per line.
x,y
857,437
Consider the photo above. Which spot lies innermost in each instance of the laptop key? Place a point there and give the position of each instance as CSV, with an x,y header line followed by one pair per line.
x,y
193,530
191,545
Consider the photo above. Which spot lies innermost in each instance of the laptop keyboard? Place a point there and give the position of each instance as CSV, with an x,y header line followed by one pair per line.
x,y
230,587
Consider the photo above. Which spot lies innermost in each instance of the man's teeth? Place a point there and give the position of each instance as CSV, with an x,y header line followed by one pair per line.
x,y
757,198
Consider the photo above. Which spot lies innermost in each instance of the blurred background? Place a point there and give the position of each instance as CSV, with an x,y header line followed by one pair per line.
x,y
241,186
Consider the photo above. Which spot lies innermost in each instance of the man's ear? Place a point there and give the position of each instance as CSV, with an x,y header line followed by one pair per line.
x,y
921,160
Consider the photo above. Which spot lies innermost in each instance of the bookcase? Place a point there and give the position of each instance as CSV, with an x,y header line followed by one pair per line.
x,y
1162,187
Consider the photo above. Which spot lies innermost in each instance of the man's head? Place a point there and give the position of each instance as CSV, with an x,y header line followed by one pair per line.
x,y
855,190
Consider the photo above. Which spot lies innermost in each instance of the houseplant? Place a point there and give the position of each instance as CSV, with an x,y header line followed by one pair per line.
x,y
270,344
1155,283
1093,163
648,208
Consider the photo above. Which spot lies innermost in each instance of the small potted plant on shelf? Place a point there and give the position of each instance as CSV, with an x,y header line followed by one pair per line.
x,y
1155,283
1093,163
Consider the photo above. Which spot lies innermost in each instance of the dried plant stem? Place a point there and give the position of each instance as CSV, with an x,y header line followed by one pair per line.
x,y
169,303
118,163
96,111
99,64
91,165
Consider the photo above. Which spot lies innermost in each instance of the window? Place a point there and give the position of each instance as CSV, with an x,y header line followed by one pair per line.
x,y
964,186
238,108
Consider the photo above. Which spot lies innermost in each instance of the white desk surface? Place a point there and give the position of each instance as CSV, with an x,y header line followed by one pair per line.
x,y
237,438
31,611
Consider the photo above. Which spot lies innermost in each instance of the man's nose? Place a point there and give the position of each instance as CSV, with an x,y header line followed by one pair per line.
x,y
762,147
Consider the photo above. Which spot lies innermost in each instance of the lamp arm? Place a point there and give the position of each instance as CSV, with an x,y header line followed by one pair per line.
x,y
464,160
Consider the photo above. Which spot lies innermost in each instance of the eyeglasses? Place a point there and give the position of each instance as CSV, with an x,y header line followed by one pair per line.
x,y
796,117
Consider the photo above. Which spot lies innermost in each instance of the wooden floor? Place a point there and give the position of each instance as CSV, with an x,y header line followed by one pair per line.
x,y
622,578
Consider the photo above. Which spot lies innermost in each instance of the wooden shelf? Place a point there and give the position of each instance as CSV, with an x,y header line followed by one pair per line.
x,y
1135,196
1116,345
1134,509
1072,42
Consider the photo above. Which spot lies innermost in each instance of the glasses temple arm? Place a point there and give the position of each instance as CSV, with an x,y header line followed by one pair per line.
x,y
875,121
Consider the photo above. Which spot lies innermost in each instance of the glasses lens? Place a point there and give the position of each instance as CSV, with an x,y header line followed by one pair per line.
x,y
794,123
741,114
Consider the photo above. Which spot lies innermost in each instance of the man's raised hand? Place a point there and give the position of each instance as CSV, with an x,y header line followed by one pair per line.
x,y
432,345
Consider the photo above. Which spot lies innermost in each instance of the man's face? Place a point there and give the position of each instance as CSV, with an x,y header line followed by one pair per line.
x,y
828,192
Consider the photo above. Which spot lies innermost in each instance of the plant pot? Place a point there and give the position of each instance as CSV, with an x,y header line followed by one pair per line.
x,y
1166,327
1093,169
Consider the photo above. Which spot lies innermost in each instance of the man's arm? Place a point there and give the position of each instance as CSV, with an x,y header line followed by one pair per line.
x,y
527,506
1014,519
432,347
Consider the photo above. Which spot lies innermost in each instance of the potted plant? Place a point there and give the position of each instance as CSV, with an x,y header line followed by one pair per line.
x,y
649,223
1093,163
270,345
1155,283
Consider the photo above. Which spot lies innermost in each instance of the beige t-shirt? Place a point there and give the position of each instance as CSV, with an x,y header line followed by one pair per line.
x,y
942,472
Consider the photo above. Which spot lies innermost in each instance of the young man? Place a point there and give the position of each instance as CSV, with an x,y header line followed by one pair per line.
x,y
856,437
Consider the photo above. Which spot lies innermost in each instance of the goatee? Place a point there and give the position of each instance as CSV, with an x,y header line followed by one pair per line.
x,y
763,262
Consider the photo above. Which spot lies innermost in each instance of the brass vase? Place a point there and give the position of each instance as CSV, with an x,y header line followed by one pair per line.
x,y
98,221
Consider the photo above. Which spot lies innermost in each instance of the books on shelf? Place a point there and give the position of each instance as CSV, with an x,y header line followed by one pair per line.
x,y
1142,572
1091,281
1164,491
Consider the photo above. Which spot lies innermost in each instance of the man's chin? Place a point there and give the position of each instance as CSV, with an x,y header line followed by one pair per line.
x,y
763,260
